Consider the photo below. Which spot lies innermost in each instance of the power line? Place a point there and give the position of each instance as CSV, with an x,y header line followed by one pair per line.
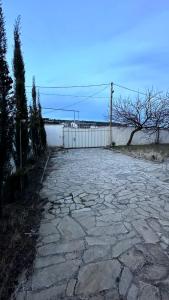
x,y
51,108
91,96
69,87
87,86
58,109
73,96
126,88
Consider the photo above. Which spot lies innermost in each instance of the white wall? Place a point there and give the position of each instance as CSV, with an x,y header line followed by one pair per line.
x,y
164,136
122,134
54,135
87,137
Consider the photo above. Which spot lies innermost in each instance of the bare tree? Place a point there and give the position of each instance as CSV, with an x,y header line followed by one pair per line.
x,y
160,115
136,113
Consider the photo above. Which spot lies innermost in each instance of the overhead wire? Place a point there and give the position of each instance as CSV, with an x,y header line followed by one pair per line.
x,y
73,96
52,108
126,88
91,96
87,86
83,96
69,86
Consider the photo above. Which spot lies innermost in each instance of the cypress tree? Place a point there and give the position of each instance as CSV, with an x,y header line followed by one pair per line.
x,y
34,124
6,106
42,132
21,135
31,128
34,102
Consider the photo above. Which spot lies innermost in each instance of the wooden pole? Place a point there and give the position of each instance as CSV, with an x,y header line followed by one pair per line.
x,y
111,106
74,117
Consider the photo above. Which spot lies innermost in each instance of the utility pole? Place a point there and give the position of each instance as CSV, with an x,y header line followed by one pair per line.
x,y
74,117
111,106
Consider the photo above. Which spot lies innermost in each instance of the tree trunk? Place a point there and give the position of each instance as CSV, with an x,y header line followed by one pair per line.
x,y
132,134
157,135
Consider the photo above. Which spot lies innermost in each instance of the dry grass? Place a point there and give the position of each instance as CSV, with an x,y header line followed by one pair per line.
x,y
153,152
17,248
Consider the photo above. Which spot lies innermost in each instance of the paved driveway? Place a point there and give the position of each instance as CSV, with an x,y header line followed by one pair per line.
x,y
105,231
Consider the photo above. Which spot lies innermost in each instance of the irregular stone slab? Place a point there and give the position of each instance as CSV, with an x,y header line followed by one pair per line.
x,y
154,224
142,212
65,210
87,222
133,259
82,195
149,292
109,218
47,294
153,254
83,212
164,294
164,222
133,292
153,272
130,214
107,211
100,240
123,246
165,240
70,287
125,281
164,288
47,229
90,197
108,230
48,217
97,277
128,235
112,295
42,262
21,295
146,232
46,277
52,238
68,246
97,297
96,252
69,229
74,255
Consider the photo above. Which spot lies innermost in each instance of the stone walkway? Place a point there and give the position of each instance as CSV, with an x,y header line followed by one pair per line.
x,y
105,230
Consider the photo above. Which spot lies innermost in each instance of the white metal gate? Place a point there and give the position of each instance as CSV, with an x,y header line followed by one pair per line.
x,y
85,137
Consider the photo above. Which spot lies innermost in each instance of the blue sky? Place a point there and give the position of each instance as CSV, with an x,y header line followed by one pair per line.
x,y
88,42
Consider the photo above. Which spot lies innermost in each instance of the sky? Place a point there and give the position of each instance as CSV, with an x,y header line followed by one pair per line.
x,y
79,42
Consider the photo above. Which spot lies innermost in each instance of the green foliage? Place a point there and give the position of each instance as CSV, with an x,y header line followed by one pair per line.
x,y
42,132
14,114
37,129
21,136
34,123
6,108
34,95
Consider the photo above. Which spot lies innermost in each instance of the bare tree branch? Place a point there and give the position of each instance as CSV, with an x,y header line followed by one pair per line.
x,y
149,112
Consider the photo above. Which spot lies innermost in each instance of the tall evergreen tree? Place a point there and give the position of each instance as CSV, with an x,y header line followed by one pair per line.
x,y
34,123
42,132
34,101
21,138
6,113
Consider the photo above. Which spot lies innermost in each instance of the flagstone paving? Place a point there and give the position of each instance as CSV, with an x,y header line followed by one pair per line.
x,y
105,230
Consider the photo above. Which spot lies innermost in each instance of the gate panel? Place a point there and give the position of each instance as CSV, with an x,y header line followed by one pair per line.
x,y
85,137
